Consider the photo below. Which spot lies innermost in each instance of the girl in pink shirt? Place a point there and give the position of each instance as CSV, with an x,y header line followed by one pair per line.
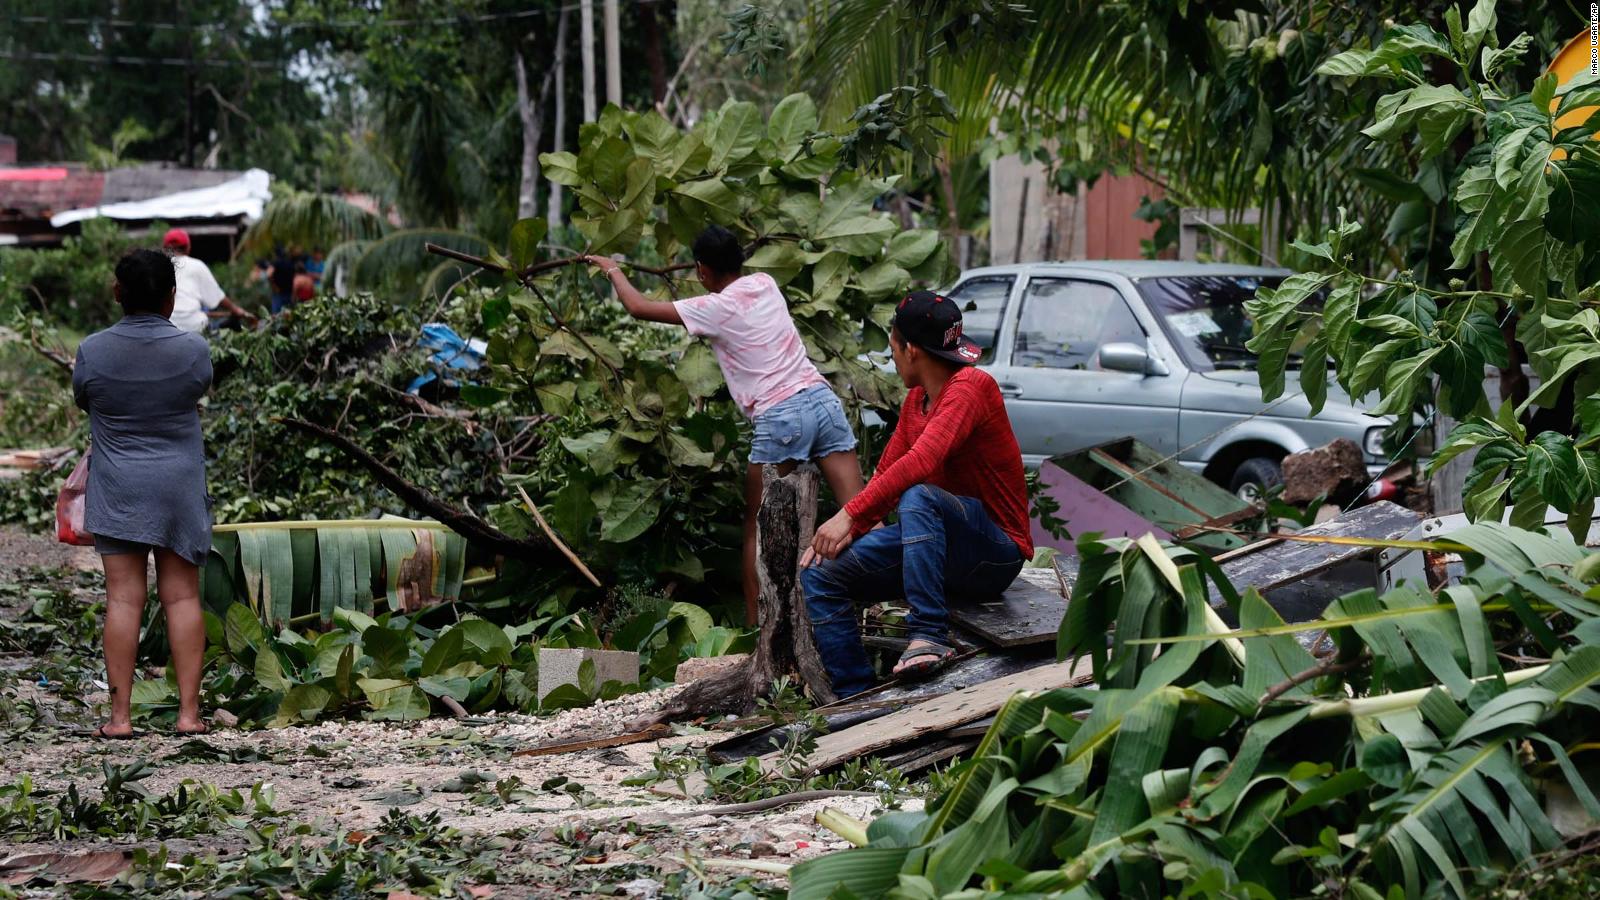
x,y
796,415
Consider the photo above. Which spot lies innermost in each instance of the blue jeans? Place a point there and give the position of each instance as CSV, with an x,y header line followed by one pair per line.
x,y
943,545
806,426
281,302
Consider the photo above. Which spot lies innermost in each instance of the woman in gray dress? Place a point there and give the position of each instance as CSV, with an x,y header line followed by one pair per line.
x,y
140,381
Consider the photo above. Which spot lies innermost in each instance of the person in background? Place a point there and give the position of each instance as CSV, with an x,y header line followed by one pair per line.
x,y
280,281
796,415
199,296
953,472
315,266
140,382
305,287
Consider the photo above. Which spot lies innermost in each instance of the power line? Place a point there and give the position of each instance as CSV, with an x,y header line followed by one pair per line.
x,y
28,56
298,26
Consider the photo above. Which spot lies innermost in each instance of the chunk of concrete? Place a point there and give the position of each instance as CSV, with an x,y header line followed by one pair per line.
x,y
559,665
1336,471
699,667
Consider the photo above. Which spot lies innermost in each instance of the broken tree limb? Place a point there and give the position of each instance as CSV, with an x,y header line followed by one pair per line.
x,y
755,806
785,646
469,526
554,538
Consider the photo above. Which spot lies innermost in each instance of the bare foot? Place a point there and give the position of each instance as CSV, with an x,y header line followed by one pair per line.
x,y
192,725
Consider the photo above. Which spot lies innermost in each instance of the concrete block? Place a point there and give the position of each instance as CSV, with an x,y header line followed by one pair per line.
x,y
701,666
559,665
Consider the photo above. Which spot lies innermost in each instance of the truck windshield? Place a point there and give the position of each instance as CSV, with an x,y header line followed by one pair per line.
x,y
1204,317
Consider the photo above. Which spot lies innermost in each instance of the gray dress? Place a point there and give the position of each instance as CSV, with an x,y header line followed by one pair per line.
x,y
140,380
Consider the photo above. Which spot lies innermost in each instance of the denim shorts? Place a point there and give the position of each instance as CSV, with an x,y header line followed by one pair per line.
x,y
807,426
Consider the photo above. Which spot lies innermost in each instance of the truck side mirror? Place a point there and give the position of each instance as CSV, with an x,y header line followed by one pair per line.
x,y
1126,357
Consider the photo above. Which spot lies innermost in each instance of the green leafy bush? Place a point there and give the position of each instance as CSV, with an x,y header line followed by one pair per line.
x,y
1224,763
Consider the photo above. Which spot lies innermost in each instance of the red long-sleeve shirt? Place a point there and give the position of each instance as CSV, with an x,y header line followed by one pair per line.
x,y
964,445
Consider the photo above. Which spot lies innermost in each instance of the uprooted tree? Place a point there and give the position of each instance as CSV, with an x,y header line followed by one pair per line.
x,y
640,465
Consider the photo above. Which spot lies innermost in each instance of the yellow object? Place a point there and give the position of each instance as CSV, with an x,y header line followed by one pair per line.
x,y
1569,63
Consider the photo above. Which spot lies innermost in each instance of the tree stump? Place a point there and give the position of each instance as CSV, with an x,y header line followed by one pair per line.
x,y
784,526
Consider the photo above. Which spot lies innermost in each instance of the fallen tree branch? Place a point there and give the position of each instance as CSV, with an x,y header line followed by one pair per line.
x,y
464,523
1329,666
555,539
755,806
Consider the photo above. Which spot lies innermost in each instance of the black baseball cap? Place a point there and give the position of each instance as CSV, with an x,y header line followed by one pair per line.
x,y
933,323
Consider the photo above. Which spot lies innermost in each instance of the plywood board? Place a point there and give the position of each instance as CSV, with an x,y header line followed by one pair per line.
x,y
934,716
1083,509
1029,612
1300,578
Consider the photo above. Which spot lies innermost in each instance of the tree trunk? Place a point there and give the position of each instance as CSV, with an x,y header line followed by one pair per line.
x,y
528,194
786,645
655,59
586,53
613,27
553,217
952,218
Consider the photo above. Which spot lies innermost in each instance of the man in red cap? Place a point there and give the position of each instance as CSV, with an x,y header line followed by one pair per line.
x,y
198,292
953,473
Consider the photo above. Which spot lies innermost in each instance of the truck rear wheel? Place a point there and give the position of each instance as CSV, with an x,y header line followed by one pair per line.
x,y
1254,476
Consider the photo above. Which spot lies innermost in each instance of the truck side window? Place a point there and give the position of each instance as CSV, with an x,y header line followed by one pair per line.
x,y
1064,323
983,302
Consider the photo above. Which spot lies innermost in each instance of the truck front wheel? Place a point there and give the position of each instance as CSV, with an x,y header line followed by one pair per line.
x,y
1254,476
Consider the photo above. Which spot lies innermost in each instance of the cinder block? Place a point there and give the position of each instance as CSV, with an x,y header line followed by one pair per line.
x,y
559,665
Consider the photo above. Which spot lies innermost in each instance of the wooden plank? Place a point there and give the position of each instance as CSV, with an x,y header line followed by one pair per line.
x,y
878,702
1299,579
932,716
1029,612
914,723
972,729
930,754
1159,489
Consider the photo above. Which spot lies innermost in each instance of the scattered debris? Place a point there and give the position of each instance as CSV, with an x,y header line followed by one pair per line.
x,y
1336,472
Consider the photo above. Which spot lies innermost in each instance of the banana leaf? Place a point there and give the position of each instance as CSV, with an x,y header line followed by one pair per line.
x,y
292,571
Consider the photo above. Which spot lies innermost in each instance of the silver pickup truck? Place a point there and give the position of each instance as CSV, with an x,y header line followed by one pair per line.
x,y
1086,352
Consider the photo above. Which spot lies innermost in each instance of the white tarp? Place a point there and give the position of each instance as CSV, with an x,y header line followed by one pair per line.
x,y
244,196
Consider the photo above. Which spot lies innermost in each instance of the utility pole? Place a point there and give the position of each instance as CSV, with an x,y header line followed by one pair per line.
x,y
586,46
613,54
553,216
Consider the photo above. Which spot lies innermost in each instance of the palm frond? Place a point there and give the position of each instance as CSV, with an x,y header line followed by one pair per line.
x,y
286,571
312,220
402,257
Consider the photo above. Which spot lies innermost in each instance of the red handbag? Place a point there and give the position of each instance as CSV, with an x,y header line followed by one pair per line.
x,y
69,506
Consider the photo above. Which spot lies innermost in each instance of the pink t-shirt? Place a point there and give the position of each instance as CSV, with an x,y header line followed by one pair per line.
x,y
748,325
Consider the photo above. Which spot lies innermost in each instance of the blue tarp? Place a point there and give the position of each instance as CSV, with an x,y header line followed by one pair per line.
x,y
450,351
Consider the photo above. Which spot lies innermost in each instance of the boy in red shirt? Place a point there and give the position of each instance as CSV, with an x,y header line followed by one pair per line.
x,y
953,471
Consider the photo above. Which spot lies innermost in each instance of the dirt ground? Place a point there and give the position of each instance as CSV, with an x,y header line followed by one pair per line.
x,y
564,840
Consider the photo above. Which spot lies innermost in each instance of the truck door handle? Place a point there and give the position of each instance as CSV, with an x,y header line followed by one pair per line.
x,y
1009,390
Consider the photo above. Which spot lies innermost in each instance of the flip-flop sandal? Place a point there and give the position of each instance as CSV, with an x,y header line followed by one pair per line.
x,y
101,734
938,657
202,731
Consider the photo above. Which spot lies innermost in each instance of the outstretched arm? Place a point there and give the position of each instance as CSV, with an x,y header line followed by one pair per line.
x,y
638,305
234,308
